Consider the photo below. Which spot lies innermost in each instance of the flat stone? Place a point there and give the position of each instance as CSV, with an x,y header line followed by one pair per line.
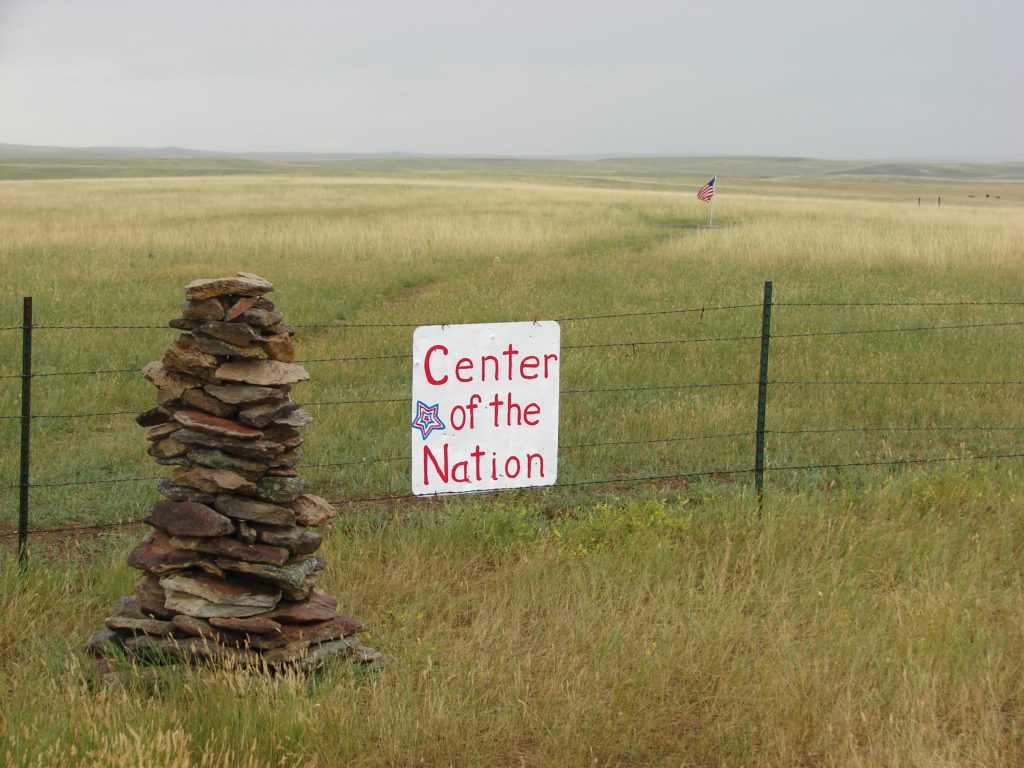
x,y
166,449
322,654
288,654
211,570
183,602
223,349
294,576
280,489
184,356
282,472
285,328
152,599
319,607
174,461
240,306
128,606
254,511
262,373
215,425
331,629
139,626
174,492
182,324
253,625
263,318
212,480
206,309
262,414
287,458
287,436
237,334
161,431
157,555
297,540
251,449
201,400
312,510
222,592
103,641
279,347
163,378
214,459
233,549
299,418
241,284
189,519
238,394
193,626
151,418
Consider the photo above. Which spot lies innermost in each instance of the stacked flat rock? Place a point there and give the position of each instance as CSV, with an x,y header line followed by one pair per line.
x,y
229,568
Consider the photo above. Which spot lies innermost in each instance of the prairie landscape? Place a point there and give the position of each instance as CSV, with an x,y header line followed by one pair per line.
x,y
646,610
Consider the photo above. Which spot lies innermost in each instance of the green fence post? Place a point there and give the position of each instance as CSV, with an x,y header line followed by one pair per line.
x,y
26,429
762,391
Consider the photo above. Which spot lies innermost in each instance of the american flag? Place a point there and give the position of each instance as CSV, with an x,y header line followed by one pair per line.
x,y
706,192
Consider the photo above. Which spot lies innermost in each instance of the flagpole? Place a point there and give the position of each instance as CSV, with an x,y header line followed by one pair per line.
x,y
711,215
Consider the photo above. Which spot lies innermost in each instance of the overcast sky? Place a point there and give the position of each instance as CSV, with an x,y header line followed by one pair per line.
x,y
845,79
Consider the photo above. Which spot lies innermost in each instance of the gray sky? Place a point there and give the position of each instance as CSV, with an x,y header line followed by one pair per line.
x,y
933,79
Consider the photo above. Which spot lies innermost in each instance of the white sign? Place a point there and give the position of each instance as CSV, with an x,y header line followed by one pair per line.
x,y
484,406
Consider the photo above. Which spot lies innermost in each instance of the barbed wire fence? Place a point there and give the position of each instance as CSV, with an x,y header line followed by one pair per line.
x,y
758,432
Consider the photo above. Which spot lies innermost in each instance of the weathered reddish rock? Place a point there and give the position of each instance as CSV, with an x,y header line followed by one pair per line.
x,y
254,625
263,554
160,431
262,414
203,401
152,600
287,436
279,347
165,449
142,626
279,489
263,318
182,492
240,306
157,555
183,602
297,418
214,459
212,480
184,356
319,607
318,632
238,334
250,449
254,511
298,576
297,540
262,373
189,519
206,309
223,592
215,425
241,284
312,510
238,394
163,378
224,349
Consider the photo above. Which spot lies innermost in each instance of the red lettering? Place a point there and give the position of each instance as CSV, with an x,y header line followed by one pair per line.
x,y
532,409
464,364
426,365
530,362
547,359
442,473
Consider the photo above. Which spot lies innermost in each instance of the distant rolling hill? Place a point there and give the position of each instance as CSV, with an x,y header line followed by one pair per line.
x,y
49,162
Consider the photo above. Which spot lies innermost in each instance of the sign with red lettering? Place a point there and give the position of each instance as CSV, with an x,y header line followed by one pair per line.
x,y
484,406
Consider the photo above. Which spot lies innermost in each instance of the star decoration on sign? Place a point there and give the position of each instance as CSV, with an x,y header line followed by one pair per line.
x,y
427,420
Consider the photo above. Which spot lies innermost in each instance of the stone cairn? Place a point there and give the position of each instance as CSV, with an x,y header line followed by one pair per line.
x,y
229,569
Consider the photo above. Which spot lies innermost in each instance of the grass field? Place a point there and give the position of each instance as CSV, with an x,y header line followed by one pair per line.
x,y
869,616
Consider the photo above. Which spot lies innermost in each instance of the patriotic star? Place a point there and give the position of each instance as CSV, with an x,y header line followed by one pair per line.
x,y
427,420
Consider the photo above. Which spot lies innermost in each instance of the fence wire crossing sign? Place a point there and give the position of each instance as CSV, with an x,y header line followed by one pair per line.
x,y
484,406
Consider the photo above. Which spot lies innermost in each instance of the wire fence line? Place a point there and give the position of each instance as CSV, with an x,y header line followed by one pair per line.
x,y
630,345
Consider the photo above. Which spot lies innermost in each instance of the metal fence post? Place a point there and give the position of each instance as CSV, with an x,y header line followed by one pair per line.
x,y
26,429
762,391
